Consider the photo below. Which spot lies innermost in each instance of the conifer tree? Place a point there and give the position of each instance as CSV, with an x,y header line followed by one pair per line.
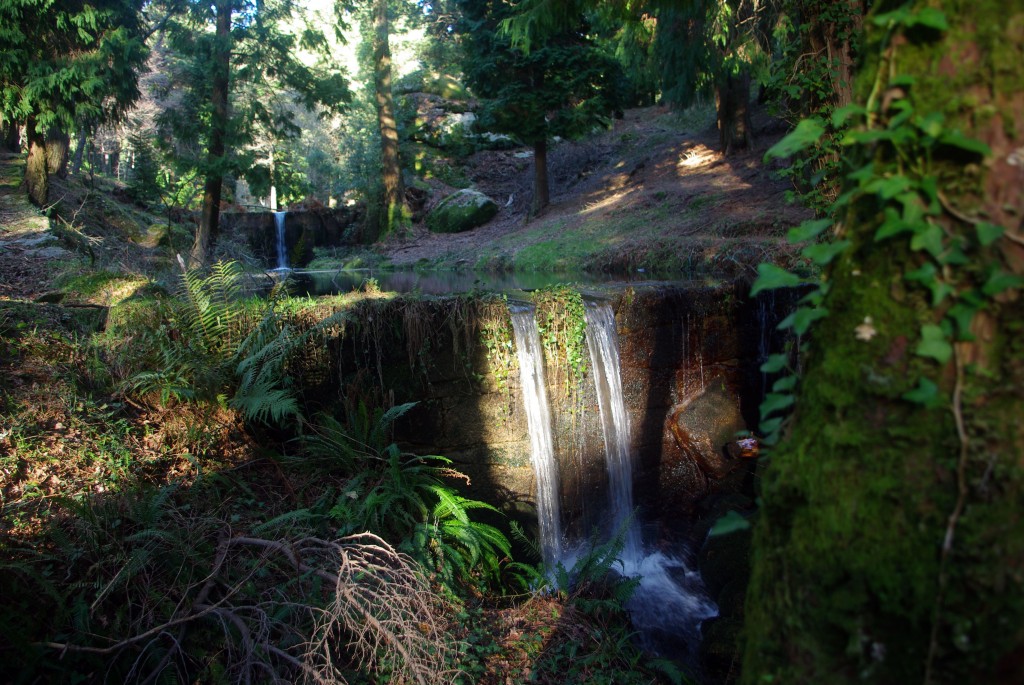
x,y
65,61
563,85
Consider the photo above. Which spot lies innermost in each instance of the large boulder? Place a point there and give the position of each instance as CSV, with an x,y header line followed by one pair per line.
x,y
461,211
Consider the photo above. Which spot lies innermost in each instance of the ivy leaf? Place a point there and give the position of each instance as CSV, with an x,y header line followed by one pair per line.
x,y
1000,281
806,134
770,426
962,313
930,17
775,363
934,344
808,230
926,393
988,233
732,522
770,277
823,253
816,296
903,80
784,384
930,124
929,239
775,401
864,174
843,114
890,187
801,319
959,140
928,276
893,18
892,225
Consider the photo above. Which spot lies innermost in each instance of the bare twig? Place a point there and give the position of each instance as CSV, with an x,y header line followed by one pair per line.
x,y
954,517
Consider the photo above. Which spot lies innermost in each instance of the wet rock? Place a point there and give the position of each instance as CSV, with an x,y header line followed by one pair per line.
x,y
704,425
461,211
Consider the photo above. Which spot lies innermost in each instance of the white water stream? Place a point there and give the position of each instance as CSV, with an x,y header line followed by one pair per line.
x,y
282,246
538,419
670,600
603,342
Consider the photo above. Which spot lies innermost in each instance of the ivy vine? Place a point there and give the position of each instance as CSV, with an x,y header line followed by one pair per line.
x,y
903,185
562,326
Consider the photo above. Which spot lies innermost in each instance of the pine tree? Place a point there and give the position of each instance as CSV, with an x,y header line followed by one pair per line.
x,y
65,62
563,85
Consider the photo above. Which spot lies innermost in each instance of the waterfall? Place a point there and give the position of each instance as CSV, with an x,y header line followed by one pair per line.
x,y
603,342
538,420
670,598
282,245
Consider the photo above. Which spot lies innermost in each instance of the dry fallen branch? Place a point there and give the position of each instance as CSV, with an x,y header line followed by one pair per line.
x,y
306,611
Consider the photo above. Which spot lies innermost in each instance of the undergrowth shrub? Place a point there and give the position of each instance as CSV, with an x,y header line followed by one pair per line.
x,y
218,346
410,499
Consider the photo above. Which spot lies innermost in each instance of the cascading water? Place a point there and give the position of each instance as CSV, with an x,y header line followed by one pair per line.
x,y
603,342
282,245
538,419
669,601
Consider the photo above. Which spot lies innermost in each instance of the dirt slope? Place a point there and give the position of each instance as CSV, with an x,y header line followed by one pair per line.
x,y
652,193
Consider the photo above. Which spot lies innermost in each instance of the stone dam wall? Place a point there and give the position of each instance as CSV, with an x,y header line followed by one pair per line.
x,y
690,357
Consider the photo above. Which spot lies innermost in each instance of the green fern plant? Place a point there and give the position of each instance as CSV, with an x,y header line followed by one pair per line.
x,y
407,497
219,347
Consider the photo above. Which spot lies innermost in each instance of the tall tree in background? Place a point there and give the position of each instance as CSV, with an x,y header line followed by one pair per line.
x,y
563,84
812,75
890,544
64,62
220,83
236,63
711,46
393,200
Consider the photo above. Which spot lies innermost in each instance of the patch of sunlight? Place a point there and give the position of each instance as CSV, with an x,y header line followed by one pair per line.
x,y
607,202
695,157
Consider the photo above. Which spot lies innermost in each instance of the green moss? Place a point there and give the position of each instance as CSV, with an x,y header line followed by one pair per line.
x,y
461,211
849,578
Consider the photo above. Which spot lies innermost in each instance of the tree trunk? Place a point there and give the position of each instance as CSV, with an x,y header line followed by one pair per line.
x,y
391,170
834,43
209,219
58,144
732,98
890,544
37,179
12,137
541,187
79,156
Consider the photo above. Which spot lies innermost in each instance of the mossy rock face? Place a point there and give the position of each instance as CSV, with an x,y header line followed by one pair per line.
x,y
445,86
462,211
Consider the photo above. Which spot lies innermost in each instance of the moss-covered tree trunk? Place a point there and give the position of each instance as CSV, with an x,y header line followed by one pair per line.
x,y
58,144
37,179
393,215
890,545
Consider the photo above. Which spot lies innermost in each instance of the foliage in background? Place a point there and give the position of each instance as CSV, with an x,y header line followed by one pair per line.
x,y
565,85
811,76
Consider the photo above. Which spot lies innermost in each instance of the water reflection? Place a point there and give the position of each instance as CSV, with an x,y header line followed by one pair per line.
x,y
313,283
